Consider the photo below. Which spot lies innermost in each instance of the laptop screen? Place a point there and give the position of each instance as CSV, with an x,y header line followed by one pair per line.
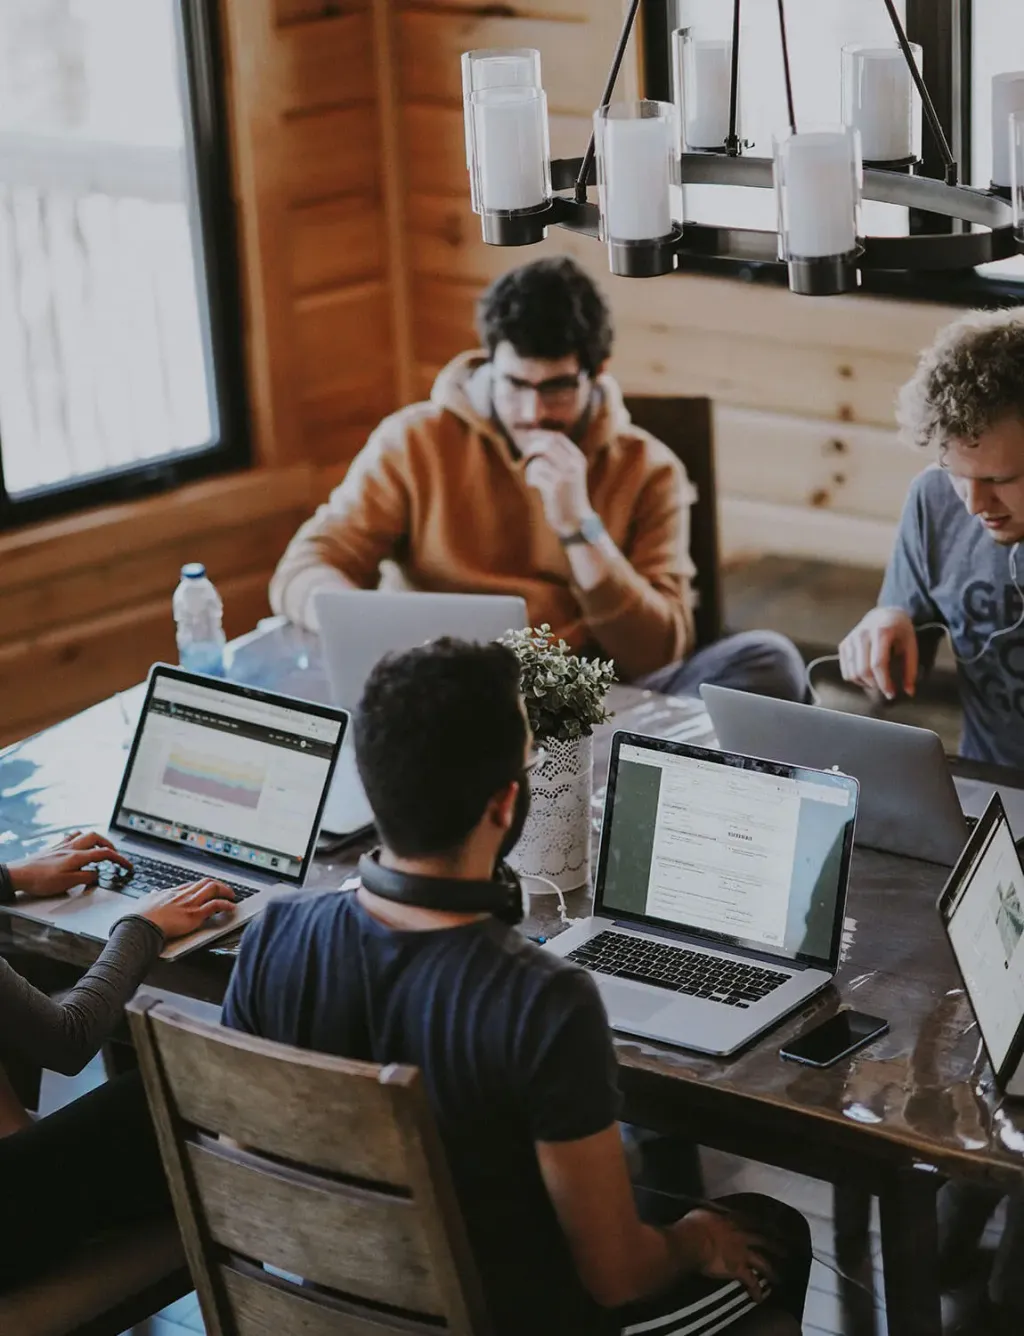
x,y
984,913
238,774
743,852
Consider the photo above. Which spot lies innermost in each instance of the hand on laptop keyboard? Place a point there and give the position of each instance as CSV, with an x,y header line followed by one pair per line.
x,y
186,909
73,862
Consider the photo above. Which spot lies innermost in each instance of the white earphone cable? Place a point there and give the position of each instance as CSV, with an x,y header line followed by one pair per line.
x,y
941,626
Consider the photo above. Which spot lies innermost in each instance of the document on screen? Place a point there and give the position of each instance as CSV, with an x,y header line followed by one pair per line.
x,y
724,848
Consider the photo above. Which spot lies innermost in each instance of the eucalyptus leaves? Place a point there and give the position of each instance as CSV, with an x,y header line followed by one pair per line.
x,y
564,694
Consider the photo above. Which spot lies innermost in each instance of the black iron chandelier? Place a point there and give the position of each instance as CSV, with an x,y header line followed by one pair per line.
x,y
639,151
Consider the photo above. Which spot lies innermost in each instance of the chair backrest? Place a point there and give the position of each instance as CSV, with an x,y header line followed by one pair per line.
x,y
685,426
327,1170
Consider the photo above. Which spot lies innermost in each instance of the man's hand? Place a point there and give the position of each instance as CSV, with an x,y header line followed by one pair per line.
x,y
558,470
71,863
185,909
719,1246
866,655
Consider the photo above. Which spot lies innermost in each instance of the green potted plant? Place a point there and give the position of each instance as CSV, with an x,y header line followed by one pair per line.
x,y
565,699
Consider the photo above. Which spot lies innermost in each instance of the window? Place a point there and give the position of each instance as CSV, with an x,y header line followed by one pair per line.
x,y
965,42
117,371
997,44
817,31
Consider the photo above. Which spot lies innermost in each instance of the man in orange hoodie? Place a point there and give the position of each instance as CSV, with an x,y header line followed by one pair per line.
x,y
524,475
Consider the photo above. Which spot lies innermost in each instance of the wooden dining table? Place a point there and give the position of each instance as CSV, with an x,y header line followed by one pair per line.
x,y
895,1121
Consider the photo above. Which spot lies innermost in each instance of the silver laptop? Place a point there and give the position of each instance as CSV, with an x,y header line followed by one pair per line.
x,y
720,895
982,911
222,781
910,803
358,627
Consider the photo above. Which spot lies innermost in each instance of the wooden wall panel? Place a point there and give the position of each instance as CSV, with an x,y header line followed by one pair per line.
x,y
297,11
330,153
326,63
336,243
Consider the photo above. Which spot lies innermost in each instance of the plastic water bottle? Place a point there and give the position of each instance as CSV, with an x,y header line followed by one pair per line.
x,y
197,617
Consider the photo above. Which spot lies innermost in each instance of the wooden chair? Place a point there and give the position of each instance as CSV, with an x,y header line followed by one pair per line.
x,y
685,426
323,1169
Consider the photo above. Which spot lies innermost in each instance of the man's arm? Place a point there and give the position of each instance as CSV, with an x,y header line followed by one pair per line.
x,y
363,522
572,1099
618,1258
888,632
637,603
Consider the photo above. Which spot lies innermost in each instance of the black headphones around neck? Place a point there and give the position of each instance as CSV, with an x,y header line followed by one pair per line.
x,y
502,896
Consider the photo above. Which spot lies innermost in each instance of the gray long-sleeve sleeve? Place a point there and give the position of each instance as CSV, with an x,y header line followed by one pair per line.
x,y
63,1035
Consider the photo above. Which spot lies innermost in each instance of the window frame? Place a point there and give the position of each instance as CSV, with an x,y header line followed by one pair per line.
x,y
944,29
200,46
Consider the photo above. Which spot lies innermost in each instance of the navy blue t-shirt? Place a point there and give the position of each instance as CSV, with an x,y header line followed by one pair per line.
x,y
513,1045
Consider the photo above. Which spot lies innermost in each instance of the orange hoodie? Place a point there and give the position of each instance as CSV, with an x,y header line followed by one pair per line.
x,y
438,490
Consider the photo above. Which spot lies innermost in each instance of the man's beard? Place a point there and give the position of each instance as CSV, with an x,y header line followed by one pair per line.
x,y
519,815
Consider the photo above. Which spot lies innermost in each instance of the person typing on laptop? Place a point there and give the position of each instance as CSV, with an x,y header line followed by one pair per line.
x,y
94,1164
421,964
524,475
955,567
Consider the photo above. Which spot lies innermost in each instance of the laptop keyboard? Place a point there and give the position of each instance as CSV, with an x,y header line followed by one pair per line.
x,y
149,874
734,983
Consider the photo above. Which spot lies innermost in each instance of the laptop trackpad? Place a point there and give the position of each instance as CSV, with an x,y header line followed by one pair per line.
x,y
630,1005
974,795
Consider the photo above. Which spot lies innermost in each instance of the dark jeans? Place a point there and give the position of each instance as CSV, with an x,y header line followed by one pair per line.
x,y
698,1305
759,661
90,1167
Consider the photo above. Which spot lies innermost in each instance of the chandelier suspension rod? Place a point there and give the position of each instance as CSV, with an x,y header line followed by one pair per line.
x,y
934,124
732,144
785,67
609,88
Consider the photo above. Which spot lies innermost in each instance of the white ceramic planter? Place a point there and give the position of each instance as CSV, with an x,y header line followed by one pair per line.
x,y
555,843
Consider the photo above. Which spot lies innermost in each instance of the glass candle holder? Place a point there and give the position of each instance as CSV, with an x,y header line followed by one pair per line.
x,y
881,102
496,67
637,164
703,90
510,162
818,187
1007,98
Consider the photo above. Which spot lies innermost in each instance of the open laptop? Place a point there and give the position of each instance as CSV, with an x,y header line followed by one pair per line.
x,y
982,911
221,781
910,803
358,627
720,895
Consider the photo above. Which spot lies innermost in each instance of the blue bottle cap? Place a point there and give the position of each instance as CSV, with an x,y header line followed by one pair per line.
x,y
193,570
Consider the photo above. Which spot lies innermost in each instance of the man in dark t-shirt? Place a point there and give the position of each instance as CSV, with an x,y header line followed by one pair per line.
x,y
513,1043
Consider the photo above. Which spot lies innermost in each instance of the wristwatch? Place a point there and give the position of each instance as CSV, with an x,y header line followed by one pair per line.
x,y
590,531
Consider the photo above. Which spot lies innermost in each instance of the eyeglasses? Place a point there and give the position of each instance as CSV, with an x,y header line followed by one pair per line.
x,y
558,392
536,758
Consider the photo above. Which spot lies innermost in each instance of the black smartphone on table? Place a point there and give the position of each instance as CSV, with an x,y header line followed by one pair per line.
x,y
836,1038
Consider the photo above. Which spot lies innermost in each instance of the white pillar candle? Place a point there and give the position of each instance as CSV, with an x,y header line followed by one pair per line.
x,y
881,101
636,153
511,160
1007,97
495,67
707,91
817,176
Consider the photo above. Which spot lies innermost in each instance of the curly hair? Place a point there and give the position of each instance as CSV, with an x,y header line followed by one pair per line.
x,y
548,309
969,379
